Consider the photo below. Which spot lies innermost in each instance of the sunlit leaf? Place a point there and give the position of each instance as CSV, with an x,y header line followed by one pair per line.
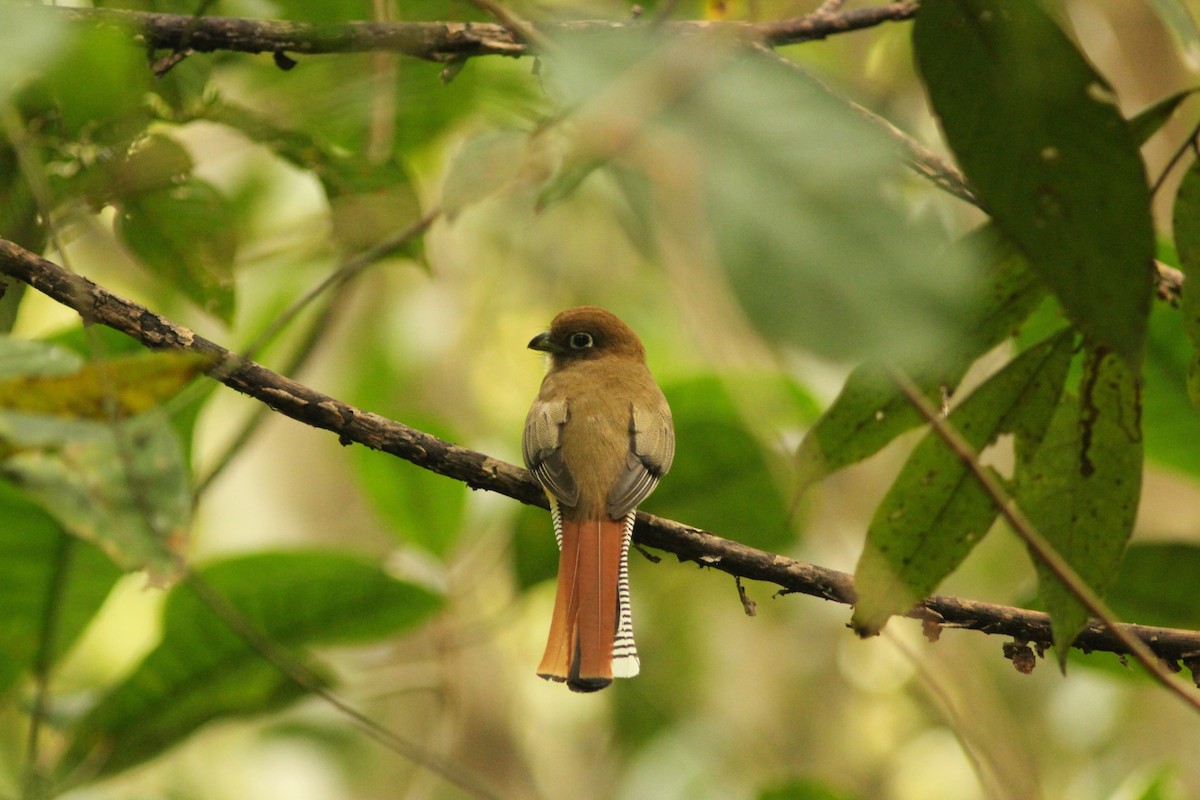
x,y
1080,489
1037,131
104,390
203,671
937,511
870,411
51,585
185,235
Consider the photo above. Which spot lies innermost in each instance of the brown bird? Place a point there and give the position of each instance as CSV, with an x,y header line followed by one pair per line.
x,y
598,438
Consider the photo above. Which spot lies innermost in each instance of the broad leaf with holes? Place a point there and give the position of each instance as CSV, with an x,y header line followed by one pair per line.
x,y
1038,133
937,511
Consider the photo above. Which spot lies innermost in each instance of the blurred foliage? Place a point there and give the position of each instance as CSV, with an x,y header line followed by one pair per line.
x,y
766,240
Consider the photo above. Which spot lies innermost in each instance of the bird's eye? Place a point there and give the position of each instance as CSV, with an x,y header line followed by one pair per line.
x,y
580,341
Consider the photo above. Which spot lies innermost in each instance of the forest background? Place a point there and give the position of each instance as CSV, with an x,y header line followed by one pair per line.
x,y
361,226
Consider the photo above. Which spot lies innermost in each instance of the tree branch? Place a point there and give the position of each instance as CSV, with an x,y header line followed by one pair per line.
x,y
479,471
437,41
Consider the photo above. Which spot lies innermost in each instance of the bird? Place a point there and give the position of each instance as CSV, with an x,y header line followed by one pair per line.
x,y
598,438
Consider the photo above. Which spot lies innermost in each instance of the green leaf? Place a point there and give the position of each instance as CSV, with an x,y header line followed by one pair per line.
x,y
1156,585
1186,221
202,671
121,485
1081,487
104,390
1150,120
87,104
185,235
51,585
936,511
68,439
1038,133
750,153
870,411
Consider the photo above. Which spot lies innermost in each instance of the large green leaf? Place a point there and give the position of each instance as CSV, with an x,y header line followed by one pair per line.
x,y
1081,487
51,585
89,107
871,411
937,511
122,486
758,167
185,234
202,671
1037,131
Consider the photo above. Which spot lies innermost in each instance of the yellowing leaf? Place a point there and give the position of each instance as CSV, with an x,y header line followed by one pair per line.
x,y
104,390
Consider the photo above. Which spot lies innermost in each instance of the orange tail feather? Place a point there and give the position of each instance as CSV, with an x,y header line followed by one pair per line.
x,y
579,649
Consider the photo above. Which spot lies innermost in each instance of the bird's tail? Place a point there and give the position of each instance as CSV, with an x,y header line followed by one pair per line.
x,y
591,633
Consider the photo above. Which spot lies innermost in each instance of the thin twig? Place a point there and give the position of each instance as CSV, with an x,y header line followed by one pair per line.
x,y
1041,547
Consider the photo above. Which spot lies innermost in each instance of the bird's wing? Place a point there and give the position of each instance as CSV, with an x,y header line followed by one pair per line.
x,y
542,447
651,450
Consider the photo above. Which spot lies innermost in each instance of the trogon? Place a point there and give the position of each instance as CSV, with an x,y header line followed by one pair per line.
x,y
598,438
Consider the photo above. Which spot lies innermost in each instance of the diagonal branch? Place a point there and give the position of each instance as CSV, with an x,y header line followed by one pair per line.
x,y
438,41
479,471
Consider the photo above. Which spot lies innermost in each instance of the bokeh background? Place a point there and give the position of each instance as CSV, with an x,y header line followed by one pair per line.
x,y
755,274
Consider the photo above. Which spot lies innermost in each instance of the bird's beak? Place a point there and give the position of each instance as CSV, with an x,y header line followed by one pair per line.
x,y
542,342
